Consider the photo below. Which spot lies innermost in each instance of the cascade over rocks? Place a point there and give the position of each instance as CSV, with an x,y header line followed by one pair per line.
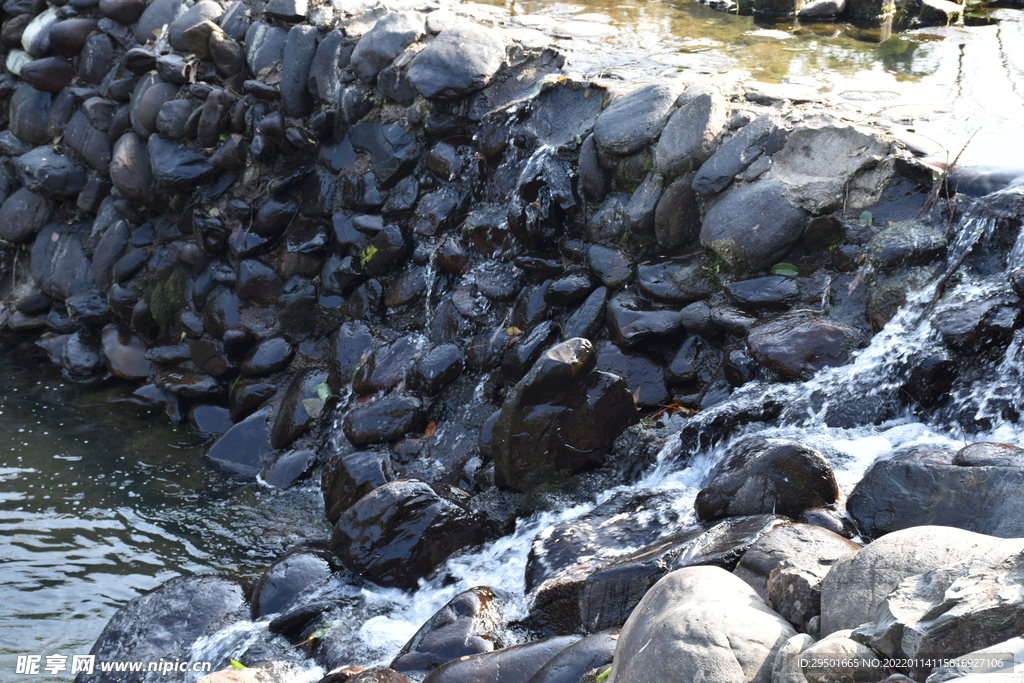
x,y
406,252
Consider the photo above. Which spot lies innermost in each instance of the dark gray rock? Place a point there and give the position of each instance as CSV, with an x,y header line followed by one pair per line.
x,y
589,318
291,11
983,454
295,70
301,406
773,292
632,320
458,62
897,495
95,58
348,477
378,47
645,379
677,216
906,243
90,144
560,418
289,580
130,169
205,10
23,215
50,74
385,419
611,266
691,133
148,97
59,264
29,112
767,478
401,531
797,345
48,173
510,665
733,157
267,357
632,121
608,223
243,448
173,118
572,663
264,46
465,626
176,166
164,623
751,227
125,12
677,280
156,14
81,355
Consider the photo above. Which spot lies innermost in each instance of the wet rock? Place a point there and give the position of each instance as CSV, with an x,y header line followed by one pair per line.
x,y
632,320
589,318
188,383
465,626
593,178
257,283
298,59
46,172
691,133
774,292
825,166
387,366
634,120
987,454
125,12
562,417
95,59
907,243
787,565
798,346
735,155
509,665
23,215
572,663
380,45
289,469
125,354
460,61
245,398
857,584
51,74
393,149
164,623
526,349
401,531
288,580
131,170
981,499
677,280
645,379
569,290
699,619
382,420
210,420
752,227
90,144
29,111
81,355
438,367
610,266
156,14
210,356
59,264
301,406
176,166
243,448
348,344
607,225
975,322
785,479
385,251
348,477
267,357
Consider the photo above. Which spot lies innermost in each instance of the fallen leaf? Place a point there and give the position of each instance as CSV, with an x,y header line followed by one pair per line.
x,y
429,431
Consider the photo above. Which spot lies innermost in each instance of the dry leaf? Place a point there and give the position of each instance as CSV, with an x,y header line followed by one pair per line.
x,y
429,431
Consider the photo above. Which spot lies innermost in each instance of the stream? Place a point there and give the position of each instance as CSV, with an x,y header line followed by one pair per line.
x,y
101,500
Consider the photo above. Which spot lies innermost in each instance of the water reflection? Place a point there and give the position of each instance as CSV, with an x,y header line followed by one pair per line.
x,y
99,503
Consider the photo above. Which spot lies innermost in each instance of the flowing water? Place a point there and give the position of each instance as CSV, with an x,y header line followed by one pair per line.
x,y
100,502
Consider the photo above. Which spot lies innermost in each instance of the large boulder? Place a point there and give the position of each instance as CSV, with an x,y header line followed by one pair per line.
x,y
401,531
896,494
751,227
632,121
700,623
797,345
561,418
691,133
163,624
951,611
735,154
380,45
767,478
460,61
856,585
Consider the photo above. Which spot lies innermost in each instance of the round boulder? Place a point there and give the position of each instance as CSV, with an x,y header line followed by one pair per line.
x,y
460,61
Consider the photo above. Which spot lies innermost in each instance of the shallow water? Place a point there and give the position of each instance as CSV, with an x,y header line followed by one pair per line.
x,y
953,85
99,503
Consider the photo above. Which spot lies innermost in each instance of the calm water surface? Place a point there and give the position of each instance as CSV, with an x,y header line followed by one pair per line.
x,y
100,502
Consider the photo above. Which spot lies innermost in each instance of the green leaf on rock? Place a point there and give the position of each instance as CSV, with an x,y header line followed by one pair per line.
x,y
865,219
786,269
235,664
323,390
313,406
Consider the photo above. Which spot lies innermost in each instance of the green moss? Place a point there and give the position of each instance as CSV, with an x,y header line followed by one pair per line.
x,y
167,297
